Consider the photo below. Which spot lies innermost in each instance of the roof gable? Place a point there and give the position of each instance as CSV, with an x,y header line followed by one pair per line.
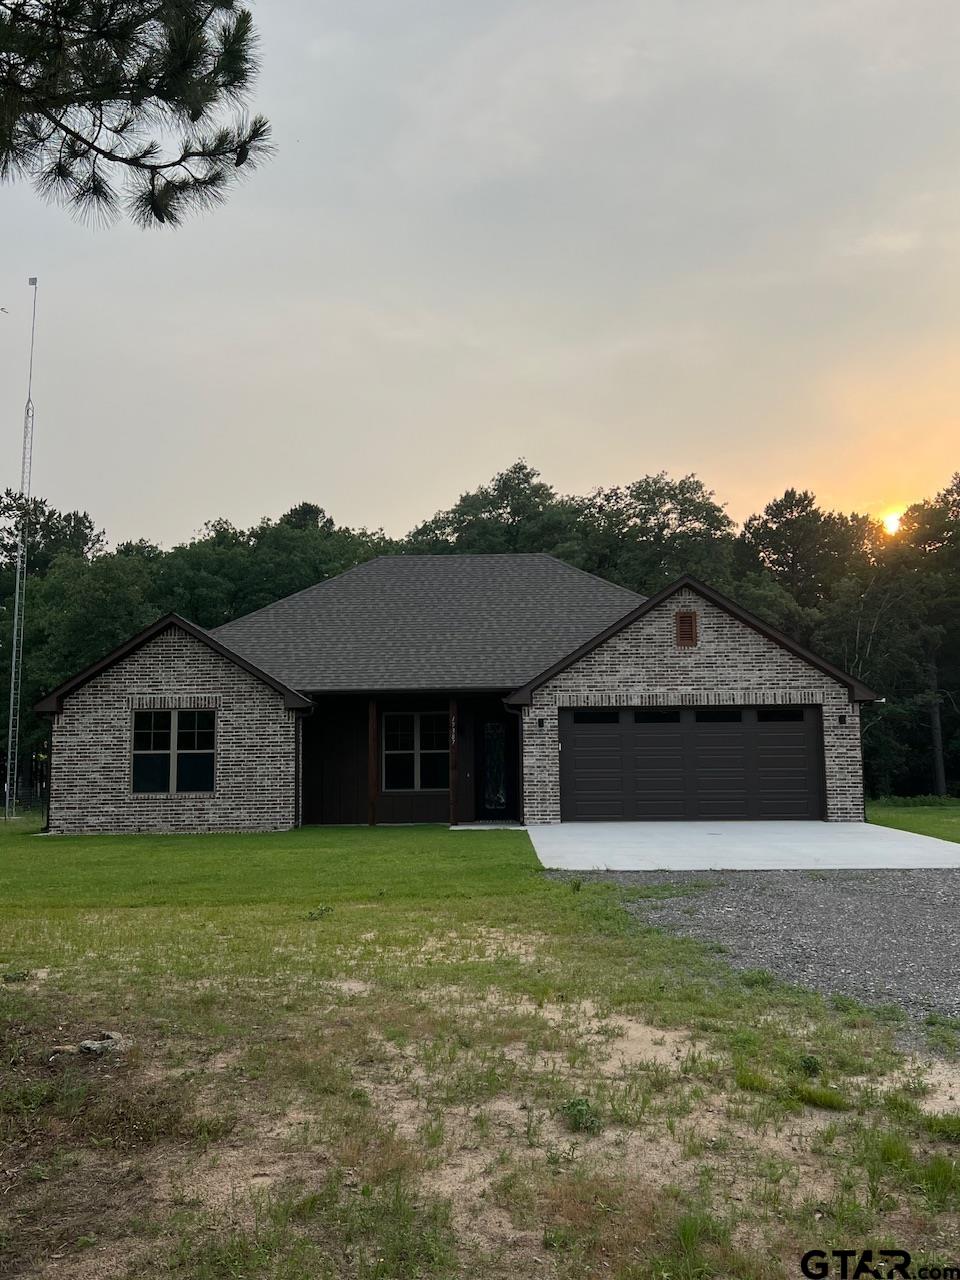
x,y
52,703
858,691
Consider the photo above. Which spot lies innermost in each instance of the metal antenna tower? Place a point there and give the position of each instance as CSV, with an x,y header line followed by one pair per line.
x,y
16,640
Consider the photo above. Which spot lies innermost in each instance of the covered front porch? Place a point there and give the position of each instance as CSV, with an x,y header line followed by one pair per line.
x,y
409,758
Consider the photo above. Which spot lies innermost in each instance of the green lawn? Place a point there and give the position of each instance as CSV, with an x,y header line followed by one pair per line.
x,y
405,1052
940,820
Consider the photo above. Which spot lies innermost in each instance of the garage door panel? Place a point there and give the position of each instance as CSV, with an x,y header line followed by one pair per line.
x,y
663,784
707,763
659,812
657,764
591,807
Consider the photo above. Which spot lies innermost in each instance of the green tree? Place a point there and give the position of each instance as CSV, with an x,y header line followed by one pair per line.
x,y
49,532
807,550
880,627
76,612
227,571
886,609
515,512
651,531
81,609
929,546
103,99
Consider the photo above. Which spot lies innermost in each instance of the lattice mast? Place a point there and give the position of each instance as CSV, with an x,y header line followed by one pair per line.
x,y
16,639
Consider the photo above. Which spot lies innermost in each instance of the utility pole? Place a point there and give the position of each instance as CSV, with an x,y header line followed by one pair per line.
x,y
16,639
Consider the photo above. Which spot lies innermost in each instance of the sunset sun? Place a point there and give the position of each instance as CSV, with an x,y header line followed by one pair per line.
x,y
891,522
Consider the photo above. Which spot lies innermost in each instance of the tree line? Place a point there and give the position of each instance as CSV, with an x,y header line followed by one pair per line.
x,y
884,607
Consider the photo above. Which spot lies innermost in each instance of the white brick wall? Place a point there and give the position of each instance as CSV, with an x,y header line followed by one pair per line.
x,y
731,664
256,746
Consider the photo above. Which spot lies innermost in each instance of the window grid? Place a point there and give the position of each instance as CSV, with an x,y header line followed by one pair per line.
x,y
174,752
424,737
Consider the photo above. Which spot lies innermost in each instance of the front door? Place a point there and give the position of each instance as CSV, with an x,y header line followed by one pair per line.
x,y
497,769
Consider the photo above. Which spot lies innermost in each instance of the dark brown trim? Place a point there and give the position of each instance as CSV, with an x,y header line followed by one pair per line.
x,y
454,762
51,704
859,692
373,761
298,772
516,711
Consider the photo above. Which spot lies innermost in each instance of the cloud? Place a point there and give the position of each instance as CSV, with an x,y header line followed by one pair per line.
x,y
886,243
512,94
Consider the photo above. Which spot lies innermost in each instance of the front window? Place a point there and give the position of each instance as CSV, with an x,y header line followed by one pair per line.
x,y
416,751
173,751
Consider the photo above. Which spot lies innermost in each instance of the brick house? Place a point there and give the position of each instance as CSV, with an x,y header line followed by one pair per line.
x,y
457,689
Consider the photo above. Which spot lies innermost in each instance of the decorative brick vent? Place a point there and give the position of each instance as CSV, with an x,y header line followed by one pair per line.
x,y
686,622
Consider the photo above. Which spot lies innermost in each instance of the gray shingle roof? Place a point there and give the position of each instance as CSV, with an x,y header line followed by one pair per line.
x,y
429,622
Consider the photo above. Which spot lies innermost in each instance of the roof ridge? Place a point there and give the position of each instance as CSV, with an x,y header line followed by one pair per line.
x,y
426,555
469,555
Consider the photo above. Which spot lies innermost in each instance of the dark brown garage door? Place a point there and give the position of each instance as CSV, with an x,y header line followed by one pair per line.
x,y
690,762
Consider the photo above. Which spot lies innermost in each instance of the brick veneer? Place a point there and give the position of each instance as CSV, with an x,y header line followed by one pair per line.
x,y
256,746
731,664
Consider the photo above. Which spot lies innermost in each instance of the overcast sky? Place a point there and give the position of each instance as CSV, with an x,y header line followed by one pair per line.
x,y
612,236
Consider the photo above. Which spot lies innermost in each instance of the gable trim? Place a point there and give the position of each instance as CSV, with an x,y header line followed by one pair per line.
x,y
858,691
52,703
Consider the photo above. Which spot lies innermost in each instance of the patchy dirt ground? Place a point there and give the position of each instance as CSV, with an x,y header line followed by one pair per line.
x,y
511,1101
528,1082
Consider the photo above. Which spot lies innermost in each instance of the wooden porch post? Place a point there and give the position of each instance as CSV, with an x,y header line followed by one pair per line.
x,y
373,761
454,762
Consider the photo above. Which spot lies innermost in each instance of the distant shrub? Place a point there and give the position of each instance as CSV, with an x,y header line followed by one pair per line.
x,y
915,802
809,1064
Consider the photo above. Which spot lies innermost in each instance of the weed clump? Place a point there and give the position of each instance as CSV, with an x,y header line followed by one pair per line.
x,y
581,1115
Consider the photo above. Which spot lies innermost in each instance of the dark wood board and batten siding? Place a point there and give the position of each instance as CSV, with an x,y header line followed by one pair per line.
x,y
342,760
713,763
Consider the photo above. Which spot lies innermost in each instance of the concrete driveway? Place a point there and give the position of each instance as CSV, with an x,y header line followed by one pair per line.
x,y
735,846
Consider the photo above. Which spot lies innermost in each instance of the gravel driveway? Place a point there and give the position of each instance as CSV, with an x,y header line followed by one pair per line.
x,y
883,937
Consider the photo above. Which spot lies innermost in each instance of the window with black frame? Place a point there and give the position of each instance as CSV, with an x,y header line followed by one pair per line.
x,y
173,751
416,751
